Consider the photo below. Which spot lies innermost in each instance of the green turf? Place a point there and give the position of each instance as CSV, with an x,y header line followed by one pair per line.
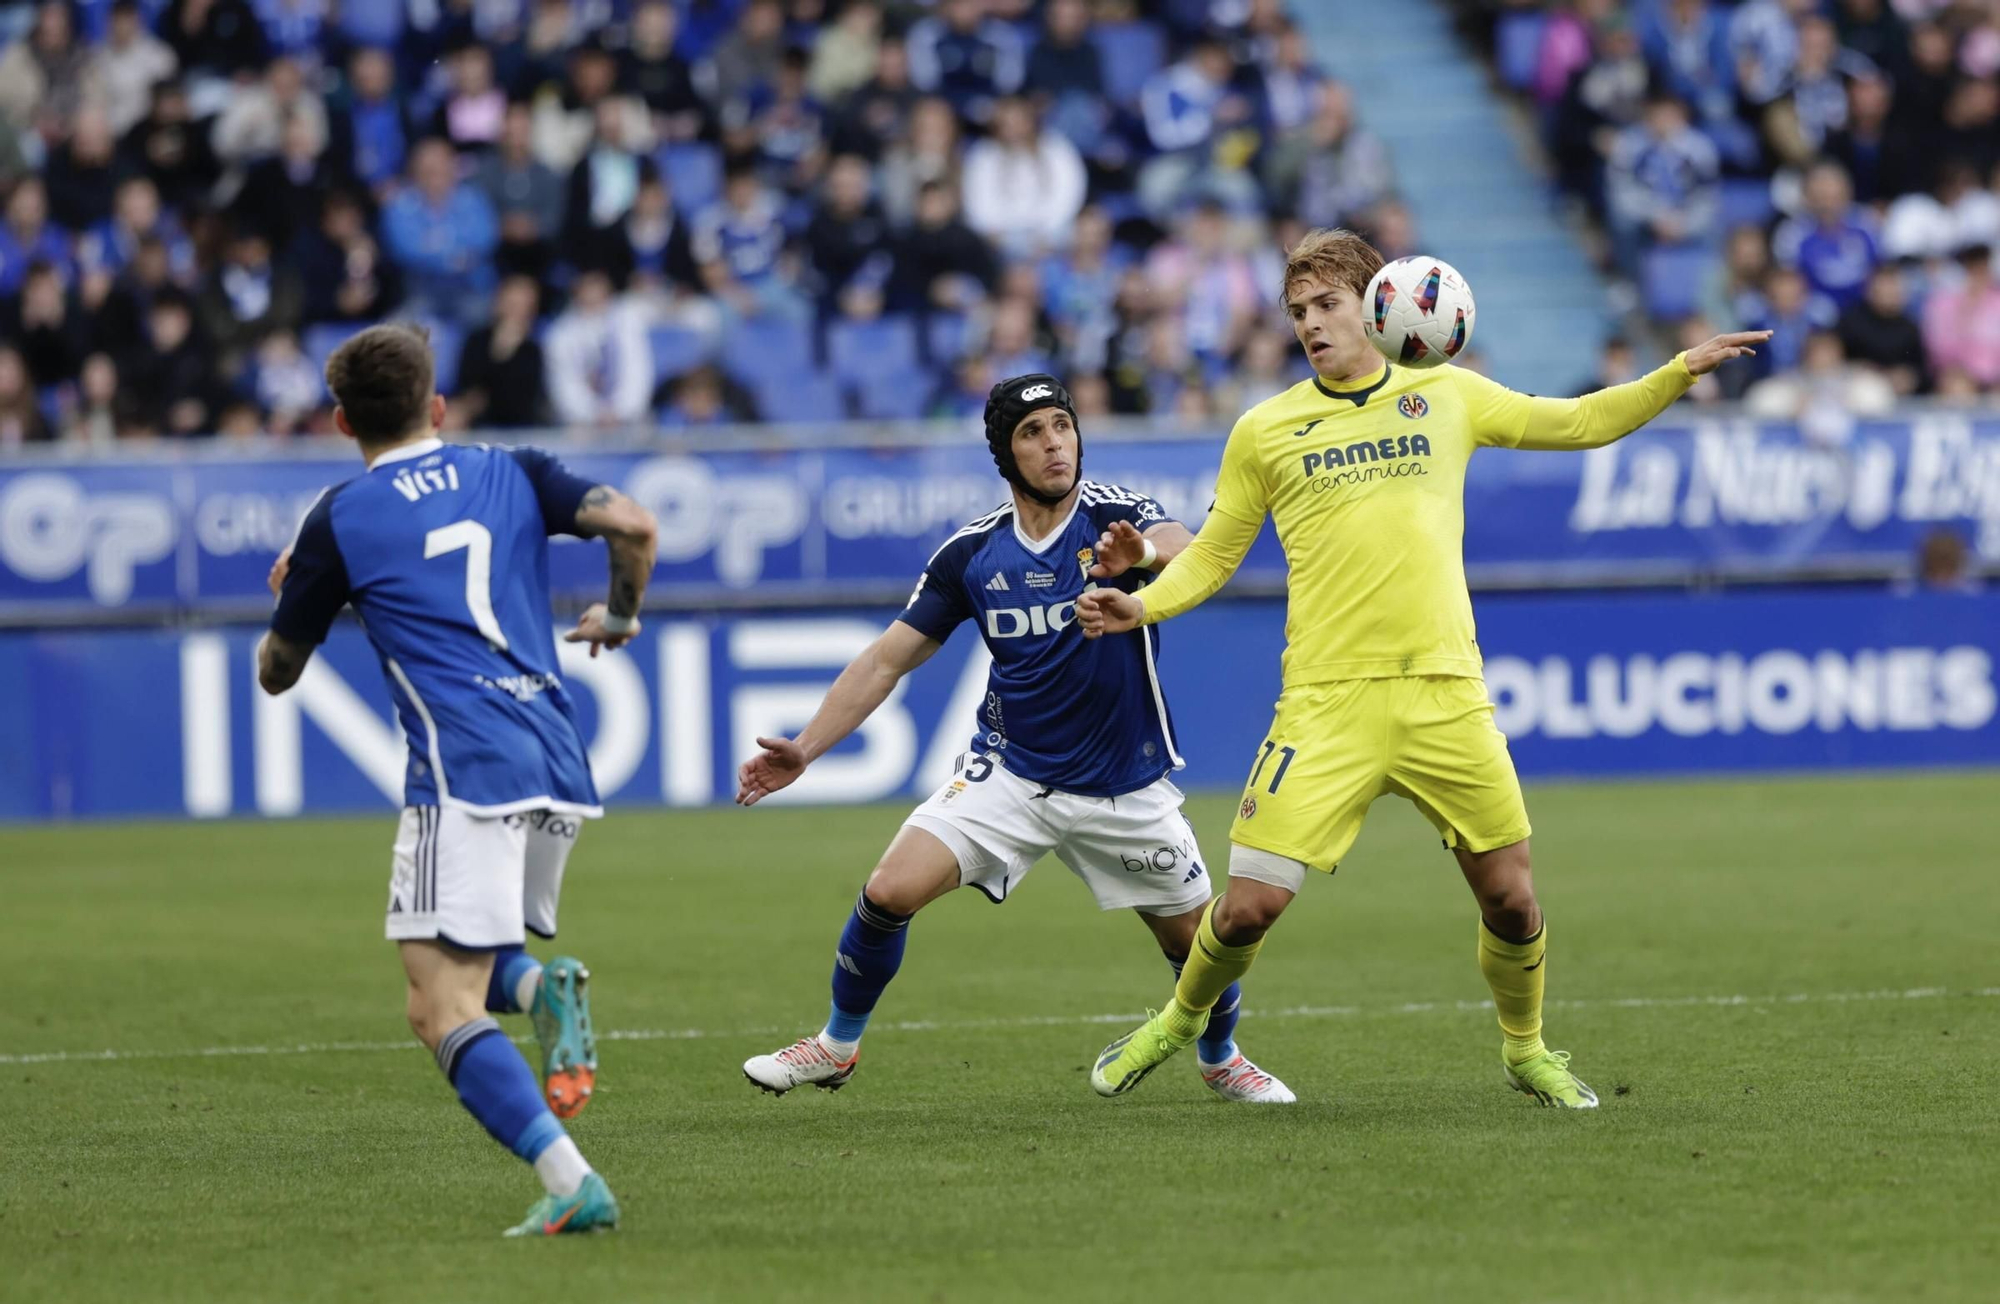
x,y
1816,1149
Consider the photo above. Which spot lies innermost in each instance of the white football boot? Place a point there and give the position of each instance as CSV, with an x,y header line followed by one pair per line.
x,y
806,1062
1239,1079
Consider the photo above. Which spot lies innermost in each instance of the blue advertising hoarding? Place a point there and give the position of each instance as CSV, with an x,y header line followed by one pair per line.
x,y
806,526
148,722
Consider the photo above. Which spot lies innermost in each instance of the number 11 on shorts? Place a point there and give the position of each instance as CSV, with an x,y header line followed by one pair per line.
x,y
1285,755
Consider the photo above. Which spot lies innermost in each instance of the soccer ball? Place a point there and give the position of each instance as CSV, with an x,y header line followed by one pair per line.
x,y
1418,312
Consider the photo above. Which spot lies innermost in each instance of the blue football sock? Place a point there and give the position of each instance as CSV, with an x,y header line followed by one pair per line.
x,y
1217,1043
871,950
497,1087
509,963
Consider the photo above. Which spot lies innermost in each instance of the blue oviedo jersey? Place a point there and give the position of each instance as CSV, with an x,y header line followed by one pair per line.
x,y
443,550
1080,715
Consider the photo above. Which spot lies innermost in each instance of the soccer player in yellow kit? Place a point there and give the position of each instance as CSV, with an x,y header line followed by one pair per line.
x,y
1363,469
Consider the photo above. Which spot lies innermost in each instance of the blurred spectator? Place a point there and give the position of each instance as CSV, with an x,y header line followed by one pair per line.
x,y
1604,98
1687,43
1871,29
1880,160
1734,295
1814,105
940,262
965,56
600,366
1791,313
1189,106
1825,394
1210,285
739,244
704,397
346,276
1565,47
657,73
963,392
1389,227
1972,124
48,71
1011,346
1833,241
605,183
1661,182
281,195
747,62
442,234
28,237
1962,321
500,371
1078,289
930,153
1268,365
1616,364
172,149
527,195
1065,65
1292,82
294,28
135,214
127,66
1764,47
92,417
1024,185
80,175
657,261
786,127
247,298
565,117
51,335
120,324
252,126
1329,171
847,245
1944,563
877,116
371,129
1957,213
169,370
1091,394
287,386
217,40
21,420
1878,331
845,55
475,107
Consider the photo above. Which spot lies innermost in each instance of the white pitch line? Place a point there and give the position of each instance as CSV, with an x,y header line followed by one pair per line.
x,y
1048,1021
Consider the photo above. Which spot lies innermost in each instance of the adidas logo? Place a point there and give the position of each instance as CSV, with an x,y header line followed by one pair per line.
x,y
1193,874
846,961
998,584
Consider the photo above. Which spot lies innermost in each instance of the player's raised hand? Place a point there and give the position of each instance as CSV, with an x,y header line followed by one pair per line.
x,y
781,761
1119,549
279,569
1107,611
590,629
1712,353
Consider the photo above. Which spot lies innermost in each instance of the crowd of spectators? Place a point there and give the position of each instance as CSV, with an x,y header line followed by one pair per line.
x,y
612,212
1825,169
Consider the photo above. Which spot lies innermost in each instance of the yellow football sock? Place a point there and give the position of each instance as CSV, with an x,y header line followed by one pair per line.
x,y
1515,970
1211,967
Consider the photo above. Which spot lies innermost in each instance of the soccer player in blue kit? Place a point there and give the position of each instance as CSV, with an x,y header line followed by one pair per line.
x,y
1072,749
443,551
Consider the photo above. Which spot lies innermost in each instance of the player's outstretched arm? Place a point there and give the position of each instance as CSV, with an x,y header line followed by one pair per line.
x,y
1611,414
863,686
632,536
1123,547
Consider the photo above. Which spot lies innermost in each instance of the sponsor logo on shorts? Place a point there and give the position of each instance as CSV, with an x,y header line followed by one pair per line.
x,y
1247,809
1162,860
556,826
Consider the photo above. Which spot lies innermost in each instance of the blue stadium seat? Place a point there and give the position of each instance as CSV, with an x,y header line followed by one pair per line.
x,y
1130,53
893,395
945,335
677,350
693,172
1518,46
799,396
1746,201
1671,278
761,347
862,350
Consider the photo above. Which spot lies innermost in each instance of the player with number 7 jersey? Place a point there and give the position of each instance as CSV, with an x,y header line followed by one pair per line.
x,y
442,550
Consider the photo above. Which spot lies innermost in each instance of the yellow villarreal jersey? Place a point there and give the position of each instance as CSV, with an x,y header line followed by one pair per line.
x,y
1367,488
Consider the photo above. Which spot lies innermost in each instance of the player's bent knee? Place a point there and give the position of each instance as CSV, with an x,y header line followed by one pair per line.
x,y
916,870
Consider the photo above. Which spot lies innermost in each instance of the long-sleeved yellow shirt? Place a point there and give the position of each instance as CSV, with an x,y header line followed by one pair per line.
x,y
1367,486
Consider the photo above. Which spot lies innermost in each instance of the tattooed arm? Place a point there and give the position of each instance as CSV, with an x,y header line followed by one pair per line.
x,y
630,533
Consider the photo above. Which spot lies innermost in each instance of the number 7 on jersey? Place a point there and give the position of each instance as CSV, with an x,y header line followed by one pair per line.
x,y
477,541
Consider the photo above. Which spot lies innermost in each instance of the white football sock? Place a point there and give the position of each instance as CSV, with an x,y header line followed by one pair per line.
x,y
840,1050
524,987
562,1168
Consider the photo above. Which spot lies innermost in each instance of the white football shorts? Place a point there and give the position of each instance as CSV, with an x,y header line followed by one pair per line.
x,y
1134,852
476,882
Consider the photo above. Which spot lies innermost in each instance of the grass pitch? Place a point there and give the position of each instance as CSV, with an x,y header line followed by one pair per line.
x,y
265,1134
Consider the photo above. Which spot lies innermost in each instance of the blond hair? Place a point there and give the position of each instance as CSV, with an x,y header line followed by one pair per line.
x,y
1332,256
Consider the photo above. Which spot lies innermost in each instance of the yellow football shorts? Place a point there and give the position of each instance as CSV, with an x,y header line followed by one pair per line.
x,y
1335,747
